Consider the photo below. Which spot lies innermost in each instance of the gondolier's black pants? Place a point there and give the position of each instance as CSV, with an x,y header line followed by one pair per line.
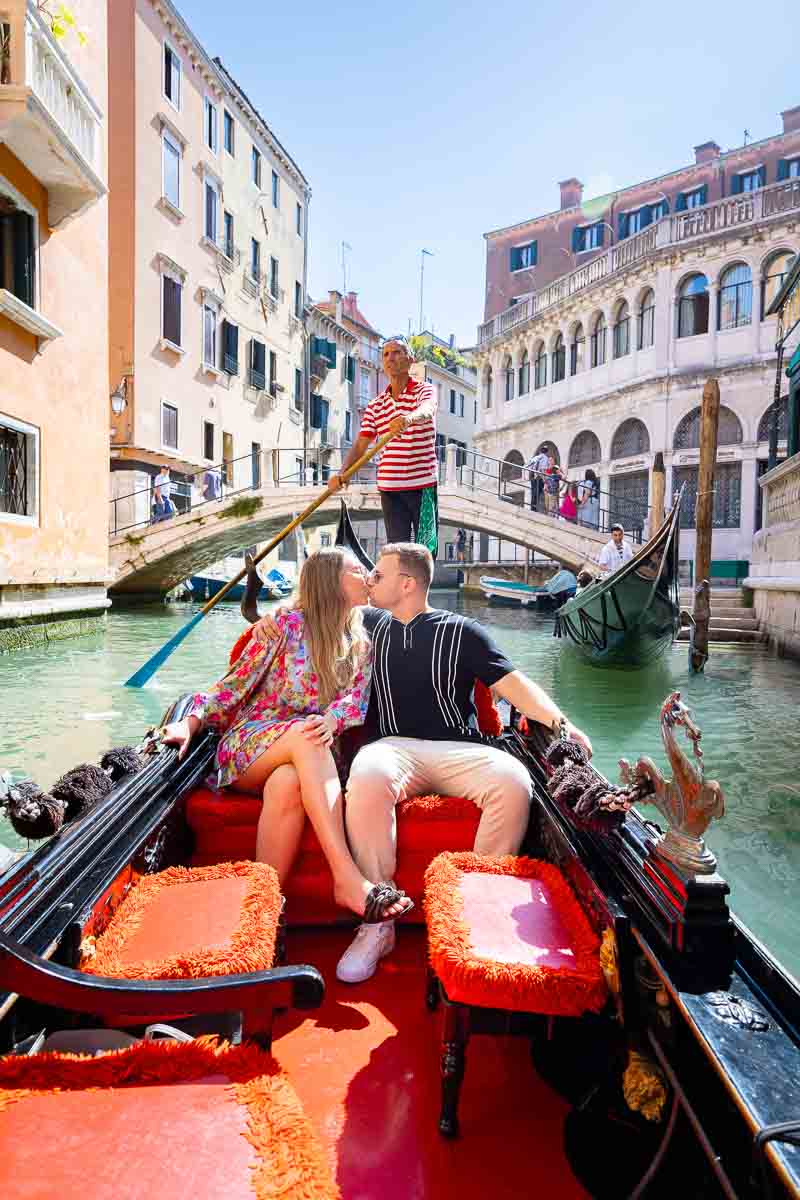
x,y
401,514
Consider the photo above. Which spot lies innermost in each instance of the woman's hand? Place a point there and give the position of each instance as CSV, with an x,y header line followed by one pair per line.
x,y
320,729
576,735
267,629
180,733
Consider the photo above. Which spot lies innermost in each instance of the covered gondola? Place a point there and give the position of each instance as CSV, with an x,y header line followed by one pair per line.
x,y
632,616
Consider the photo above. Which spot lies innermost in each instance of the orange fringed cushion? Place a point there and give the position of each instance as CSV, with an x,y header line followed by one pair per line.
x,y
187,922
508,933
154,1118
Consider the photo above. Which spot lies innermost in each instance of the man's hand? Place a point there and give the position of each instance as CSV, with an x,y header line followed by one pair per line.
x,y
320,729
398,425
335,482
576,735
267,629
180,733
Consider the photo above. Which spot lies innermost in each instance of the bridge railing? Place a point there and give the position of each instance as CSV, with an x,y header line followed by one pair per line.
x,y
516,485
284,467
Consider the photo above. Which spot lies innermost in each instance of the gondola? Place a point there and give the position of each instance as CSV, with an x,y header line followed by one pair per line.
x,y
698,1022
632,616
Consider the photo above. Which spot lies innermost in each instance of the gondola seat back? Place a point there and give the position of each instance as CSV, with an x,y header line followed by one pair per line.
x,y
153,1119
223,826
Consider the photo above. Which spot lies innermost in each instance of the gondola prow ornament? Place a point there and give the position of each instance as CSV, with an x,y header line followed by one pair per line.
x,y
688,802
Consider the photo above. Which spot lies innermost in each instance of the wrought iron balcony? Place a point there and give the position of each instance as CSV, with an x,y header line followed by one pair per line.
x,y
694,225
48,119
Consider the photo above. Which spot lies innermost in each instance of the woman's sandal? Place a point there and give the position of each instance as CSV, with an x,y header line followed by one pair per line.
x,y
380,898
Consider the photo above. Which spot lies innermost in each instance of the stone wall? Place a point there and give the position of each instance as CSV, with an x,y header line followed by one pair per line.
x,y
775,559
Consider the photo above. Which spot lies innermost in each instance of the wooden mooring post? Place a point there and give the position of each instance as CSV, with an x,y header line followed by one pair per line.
x,y
659,483
704,518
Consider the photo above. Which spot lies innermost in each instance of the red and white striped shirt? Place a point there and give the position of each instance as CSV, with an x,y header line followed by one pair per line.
x,y
409,461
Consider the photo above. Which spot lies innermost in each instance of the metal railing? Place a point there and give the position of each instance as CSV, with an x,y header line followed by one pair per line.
x,y
468,469
673,229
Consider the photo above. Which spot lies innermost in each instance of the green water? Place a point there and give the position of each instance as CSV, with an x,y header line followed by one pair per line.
x,y
65,704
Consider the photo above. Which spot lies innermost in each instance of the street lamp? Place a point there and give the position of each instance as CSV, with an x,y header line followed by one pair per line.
x,y
119,400
422,281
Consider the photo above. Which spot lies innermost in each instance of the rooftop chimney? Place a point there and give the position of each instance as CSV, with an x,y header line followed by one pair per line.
x,y
335,298
791,119
705,152
571,193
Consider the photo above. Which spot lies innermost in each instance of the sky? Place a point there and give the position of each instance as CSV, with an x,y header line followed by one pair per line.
x,y
425,126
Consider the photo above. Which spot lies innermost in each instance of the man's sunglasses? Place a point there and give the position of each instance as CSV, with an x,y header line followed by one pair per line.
x,y
376,576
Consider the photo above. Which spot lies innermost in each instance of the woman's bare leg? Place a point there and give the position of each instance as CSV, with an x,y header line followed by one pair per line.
x,y
322,800
280,826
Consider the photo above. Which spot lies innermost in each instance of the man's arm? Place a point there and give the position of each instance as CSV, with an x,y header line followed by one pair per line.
x,y
358,448
534,702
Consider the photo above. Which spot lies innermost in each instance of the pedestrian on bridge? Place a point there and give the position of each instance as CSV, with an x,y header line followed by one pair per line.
x,y
536,469
407,472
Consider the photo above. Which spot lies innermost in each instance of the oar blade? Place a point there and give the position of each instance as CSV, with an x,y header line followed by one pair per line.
x,y
140,677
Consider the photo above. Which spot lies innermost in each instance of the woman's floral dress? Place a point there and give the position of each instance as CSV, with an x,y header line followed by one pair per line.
x,y
266,690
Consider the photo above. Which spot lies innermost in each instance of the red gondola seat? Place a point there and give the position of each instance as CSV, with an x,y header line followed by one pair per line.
x,y
157,1119
504,934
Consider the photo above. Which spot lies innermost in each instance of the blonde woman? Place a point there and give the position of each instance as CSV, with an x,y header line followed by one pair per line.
x,y
279,709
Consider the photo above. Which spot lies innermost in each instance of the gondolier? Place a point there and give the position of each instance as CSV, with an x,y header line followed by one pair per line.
x,y
407,472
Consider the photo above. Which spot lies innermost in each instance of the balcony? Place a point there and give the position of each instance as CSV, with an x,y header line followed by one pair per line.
x,y
695,225
47,117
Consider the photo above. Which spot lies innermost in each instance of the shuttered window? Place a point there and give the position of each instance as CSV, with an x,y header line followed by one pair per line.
x,y
255,167
210,335
172,76
17,252
276,190
273,277
230,348
208,440
258,365
211,211
169,426
298,299
172,170
211,125
523,257
171,310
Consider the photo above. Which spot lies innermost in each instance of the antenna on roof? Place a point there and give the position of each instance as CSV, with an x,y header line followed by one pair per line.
x,y
345,247
746,136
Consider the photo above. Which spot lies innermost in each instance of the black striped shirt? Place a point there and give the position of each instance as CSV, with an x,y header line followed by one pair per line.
x,y
424,672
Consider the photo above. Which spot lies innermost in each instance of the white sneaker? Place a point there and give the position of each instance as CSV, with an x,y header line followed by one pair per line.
x,y
368,947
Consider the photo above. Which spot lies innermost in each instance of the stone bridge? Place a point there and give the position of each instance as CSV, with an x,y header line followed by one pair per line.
x,y
149,560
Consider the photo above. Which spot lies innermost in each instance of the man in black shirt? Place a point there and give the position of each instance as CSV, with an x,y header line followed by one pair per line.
x,y
425,663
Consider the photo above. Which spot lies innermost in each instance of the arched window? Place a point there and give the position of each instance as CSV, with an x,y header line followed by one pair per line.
x,y
693,306
524,374
622,331
550,448
584,450
508,371
631,438
772,278
599,342
512,466
647,320
576,351
487,388
559,360
540,368
687,433
783,421
735,297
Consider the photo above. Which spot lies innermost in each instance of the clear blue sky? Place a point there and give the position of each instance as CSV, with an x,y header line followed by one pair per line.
x,y
427,125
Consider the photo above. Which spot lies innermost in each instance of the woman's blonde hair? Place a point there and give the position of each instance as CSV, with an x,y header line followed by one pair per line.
x,y
335,631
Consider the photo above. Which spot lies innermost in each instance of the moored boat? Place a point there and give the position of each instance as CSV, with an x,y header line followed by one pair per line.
x,y
205,586
631,616
556,590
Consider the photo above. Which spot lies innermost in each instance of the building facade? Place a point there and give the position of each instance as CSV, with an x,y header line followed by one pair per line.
x,y
54,396
606,362
208,265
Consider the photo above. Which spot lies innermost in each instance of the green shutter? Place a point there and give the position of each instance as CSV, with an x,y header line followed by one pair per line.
x,y
622,226
602,237
704,194
577,239
24,257
680,203
762,176
534,253
736,185
331,353
783,169
516,258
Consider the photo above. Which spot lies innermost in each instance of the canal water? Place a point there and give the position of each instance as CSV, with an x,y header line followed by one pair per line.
x,y
65,704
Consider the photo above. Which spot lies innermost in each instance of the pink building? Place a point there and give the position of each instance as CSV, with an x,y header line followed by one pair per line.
x,y
524,258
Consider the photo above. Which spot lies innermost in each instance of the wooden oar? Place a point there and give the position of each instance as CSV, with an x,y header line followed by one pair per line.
x,y
140,677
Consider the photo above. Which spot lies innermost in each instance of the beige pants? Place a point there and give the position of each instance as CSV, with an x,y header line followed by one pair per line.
x,y
394,768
